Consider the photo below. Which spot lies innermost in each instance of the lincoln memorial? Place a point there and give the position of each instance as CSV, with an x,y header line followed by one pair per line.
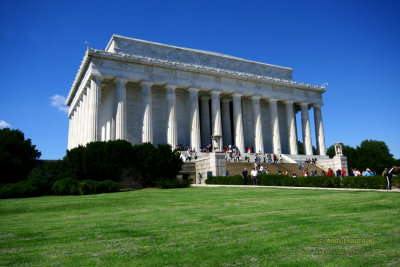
x,y
142,91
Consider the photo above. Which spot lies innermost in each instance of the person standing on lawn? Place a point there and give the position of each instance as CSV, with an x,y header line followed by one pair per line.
x,y
244,176
254,176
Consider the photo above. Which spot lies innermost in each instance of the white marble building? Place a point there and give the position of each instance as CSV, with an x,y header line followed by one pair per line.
x,y
149,92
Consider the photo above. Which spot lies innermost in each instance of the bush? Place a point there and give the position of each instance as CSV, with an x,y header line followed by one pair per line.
x,y
107,186
175,183
370,182
26,188
67,186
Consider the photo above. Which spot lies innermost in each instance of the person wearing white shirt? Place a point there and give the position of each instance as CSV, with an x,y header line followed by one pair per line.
x,y
254,176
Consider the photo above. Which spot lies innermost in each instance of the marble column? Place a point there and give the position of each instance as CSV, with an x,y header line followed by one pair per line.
x,y
276,139
291,126
194,119
70,129
306,129
238,122
205,121
258,134
226,122
319,130
172,132
84,117
90,113
120,116
95,87
216,115
73,129
147,129
80,115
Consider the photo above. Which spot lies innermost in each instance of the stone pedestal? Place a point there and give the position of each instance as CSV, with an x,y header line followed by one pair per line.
x,y
214,163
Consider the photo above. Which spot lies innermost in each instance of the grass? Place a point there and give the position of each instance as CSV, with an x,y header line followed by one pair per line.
x,y
202,227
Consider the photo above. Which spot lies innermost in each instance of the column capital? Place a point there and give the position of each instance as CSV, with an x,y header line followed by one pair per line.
x,y
192,89
317,105
171,86
225,100
214,92
273,99
255,97
287,101
96,77
146,83
121,80
237,95
303,103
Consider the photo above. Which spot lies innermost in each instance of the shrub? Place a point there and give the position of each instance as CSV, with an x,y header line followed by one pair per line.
x,y
372,182
233,180
26,188
107,186
67,186
174,183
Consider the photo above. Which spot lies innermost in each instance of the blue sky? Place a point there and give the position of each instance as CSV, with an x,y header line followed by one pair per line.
x,y
354,46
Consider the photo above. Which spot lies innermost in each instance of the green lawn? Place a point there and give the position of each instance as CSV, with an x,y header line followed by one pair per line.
x,y
203,227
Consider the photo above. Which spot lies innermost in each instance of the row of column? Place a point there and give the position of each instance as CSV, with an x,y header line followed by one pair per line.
x,y
86,116
83,126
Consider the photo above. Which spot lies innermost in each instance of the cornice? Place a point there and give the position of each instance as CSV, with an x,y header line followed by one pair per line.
x,y
183,67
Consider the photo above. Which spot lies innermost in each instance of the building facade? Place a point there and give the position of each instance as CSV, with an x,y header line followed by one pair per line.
x,y
142,91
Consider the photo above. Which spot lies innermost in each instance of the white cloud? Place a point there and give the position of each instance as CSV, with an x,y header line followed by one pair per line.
x,y
58,101
4,124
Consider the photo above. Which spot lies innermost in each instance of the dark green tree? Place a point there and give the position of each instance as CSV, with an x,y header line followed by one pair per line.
x,y
100,160
371,154
300,148
17,155
374,155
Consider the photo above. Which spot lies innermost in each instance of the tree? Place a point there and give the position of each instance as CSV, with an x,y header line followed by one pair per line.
x,y
371,154
100,160
17,155
300,148
374,155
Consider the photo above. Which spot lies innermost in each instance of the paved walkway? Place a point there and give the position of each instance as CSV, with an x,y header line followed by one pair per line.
x,y
397,190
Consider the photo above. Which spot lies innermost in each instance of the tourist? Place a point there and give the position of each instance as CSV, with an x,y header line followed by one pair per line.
x,y
343,172
306,173
227,172
367,172
280,159
275,160
244,176
323,173
266,169
330,172
262,170
254,176
294,174
265,158
269,158
279,172
299,165
388,175
338,173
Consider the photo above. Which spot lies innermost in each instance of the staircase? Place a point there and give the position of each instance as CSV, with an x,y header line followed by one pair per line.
x,y
236,168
